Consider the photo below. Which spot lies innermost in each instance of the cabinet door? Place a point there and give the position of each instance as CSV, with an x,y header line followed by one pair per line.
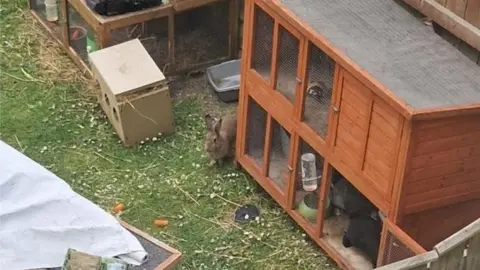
x,y
367,139
353,117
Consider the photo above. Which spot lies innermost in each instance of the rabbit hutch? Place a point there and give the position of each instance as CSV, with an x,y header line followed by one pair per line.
x,y
362,123
180,36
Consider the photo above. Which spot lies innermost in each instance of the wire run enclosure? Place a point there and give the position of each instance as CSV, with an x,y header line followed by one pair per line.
x,y
197,35
393,109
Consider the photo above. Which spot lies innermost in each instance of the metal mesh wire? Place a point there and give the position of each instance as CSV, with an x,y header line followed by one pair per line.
x,y
202,34
263,43
287,59
395,250
153,35
256,127
319,90
40,9
279,153
310,172
81,36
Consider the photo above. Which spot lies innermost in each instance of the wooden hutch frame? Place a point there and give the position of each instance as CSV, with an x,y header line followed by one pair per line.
x,y
103,26
416,137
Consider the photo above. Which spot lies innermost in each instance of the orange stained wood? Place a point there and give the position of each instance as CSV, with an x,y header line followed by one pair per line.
x,y
452,218
444,164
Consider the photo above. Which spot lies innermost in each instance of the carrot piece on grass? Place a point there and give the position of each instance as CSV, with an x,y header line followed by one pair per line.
x,y
118,208
160,222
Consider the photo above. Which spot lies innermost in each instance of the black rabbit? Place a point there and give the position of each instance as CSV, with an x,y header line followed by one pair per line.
x,y
363,233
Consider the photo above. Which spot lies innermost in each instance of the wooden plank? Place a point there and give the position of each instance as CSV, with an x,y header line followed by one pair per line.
x,y
448,20
344,152
412,263
388,126
439,170
267,145
457,6
387,113
458,238
445,181
446,156
381,153
350,138
183,5
349,117
365,137
334,114
459,190
458,126
172,260
354,91
472,13
379,181
324,190
472,138
387,143
473,255
453,259
444,201
377,165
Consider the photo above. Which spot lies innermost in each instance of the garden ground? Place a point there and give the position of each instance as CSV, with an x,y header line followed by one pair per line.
x,y
48,112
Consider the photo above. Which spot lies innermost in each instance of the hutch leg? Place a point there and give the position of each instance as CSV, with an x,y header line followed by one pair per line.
x,y
324,190
233,36
64,23
171,43
103,36
292,179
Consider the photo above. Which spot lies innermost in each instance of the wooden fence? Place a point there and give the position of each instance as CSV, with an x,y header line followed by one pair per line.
x,y
460,17
460,251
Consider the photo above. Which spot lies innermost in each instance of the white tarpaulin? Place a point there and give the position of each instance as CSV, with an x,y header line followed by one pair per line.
x,y
41,217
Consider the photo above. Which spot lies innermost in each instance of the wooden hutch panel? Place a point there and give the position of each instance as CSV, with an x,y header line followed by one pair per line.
x,y
444,164
367,139
421,225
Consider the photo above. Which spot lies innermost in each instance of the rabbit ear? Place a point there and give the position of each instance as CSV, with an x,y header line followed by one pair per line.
x,y
217,126
208,121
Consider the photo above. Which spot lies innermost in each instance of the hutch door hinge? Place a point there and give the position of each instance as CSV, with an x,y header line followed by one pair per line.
x,y
335,109
290,169
298,80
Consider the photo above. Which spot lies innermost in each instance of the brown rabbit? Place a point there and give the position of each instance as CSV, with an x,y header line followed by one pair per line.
x,y
220,138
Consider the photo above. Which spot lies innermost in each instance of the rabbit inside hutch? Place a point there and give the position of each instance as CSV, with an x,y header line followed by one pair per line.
x,y
318,96
355,216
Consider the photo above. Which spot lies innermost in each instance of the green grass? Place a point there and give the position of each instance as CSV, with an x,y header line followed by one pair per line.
x,y
50,116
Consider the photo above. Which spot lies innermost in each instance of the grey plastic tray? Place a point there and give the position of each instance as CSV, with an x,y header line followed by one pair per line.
x,y
225,79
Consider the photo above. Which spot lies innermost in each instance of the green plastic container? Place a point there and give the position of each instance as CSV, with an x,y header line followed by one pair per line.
x,y
91,44
308,206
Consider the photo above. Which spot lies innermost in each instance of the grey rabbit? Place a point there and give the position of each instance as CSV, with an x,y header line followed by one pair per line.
x,y
220,138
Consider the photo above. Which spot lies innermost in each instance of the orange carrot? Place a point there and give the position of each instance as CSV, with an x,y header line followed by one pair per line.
x,y
118,208
161,222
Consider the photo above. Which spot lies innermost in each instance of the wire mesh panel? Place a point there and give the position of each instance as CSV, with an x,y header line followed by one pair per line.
x,y
256,127
318,97
50,13
287,61
395,250
81,36
202,35
262,43
279,153
308,179
153,35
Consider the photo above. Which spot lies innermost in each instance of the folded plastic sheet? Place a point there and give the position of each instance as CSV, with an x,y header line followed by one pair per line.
x,y
41,217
